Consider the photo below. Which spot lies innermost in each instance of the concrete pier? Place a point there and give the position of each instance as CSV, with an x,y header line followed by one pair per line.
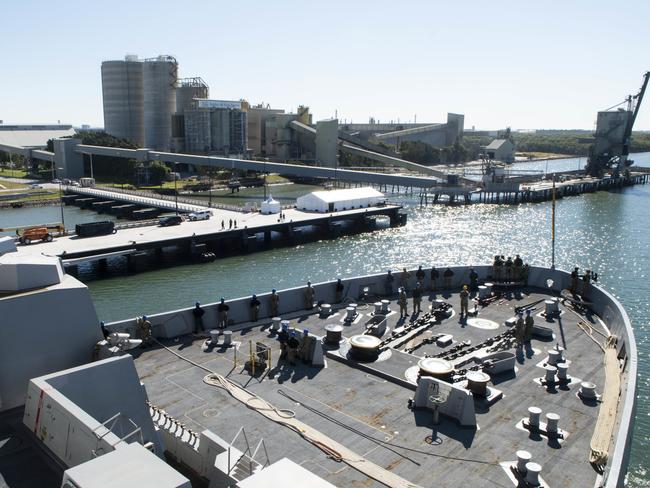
x,y
253,232
529,193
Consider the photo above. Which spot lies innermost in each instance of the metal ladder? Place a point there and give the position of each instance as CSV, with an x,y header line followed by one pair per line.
x,y
109,424
245,465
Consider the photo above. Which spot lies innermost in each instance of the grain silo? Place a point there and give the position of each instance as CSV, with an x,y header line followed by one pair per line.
x,y
160,76
123,97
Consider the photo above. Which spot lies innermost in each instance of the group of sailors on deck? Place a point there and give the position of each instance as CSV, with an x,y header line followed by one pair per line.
x,y
509,270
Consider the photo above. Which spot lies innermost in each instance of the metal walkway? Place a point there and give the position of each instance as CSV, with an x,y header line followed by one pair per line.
x,y
135,199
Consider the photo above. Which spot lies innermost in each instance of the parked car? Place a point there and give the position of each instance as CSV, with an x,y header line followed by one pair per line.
x,y
75,183
56,181
200,215
35,186
168,220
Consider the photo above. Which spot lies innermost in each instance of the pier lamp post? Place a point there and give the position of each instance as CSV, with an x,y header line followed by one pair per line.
x,y
61,200
210,183
176,187
264,176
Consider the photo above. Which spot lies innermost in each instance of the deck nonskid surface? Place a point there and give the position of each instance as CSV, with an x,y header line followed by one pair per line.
x,y
364,411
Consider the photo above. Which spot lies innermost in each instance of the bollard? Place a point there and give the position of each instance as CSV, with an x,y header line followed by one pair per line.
x,y
483,292
562,375
553,356
214,336
551,307
523,458
552,420
384,306
351,313
549,379
588,390
276,322
532,473
227,338
533,416
377,307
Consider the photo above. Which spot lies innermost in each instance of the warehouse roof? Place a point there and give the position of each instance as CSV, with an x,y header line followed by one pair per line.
x,y
497,143
32,135
347,194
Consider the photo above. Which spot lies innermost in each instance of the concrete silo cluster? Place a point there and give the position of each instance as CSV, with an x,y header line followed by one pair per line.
x,y
147,103
139,99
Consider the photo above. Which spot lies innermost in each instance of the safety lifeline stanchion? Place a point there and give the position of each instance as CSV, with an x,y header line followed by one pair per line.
x,y
234,350
252,359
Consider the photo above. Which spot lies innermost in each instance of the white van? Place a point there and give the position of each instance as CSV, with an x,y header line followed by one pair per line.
x,y
200,215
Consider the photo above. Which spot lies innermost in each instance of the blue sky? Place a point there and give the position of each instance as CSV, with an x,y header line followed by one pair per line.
x,y
544,64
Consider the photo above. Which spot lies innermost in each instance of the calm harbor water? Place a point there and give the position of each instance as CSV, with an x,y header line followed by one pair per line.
x,y
605,231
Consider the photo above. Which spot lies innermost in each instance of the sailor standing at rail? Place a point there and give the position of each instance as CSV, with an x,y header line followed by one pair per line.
x,y
310,295
473,279
275,302
448,275
255,308
417,298
586,279
389,283
574,280
406,276
403,311
419,275
496,268
518,264
339,290
464,301
435,274
198,313
508,267
144,330
222,314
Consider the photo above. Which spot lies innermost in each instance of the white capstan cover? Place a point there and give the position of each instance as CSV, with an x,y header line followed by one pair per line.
x,y
337,200
18,273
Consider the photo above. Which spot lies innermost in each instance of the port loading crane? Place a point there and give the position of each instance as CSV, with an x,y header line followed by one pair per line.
x,y
611,143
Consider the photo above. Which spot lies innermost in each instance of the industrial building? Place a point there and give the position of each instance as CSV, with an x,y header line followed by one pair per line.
x,y
188,89
435,134
259,142
501,150
215,127
33,136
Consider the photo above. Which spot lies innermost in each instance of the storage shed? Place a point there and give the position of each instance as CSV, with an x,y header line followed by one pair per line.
x,y
337,200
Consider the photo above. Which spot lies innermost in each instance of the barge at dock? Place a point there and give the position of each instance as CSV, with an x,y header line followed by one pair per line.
x,y
431,399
